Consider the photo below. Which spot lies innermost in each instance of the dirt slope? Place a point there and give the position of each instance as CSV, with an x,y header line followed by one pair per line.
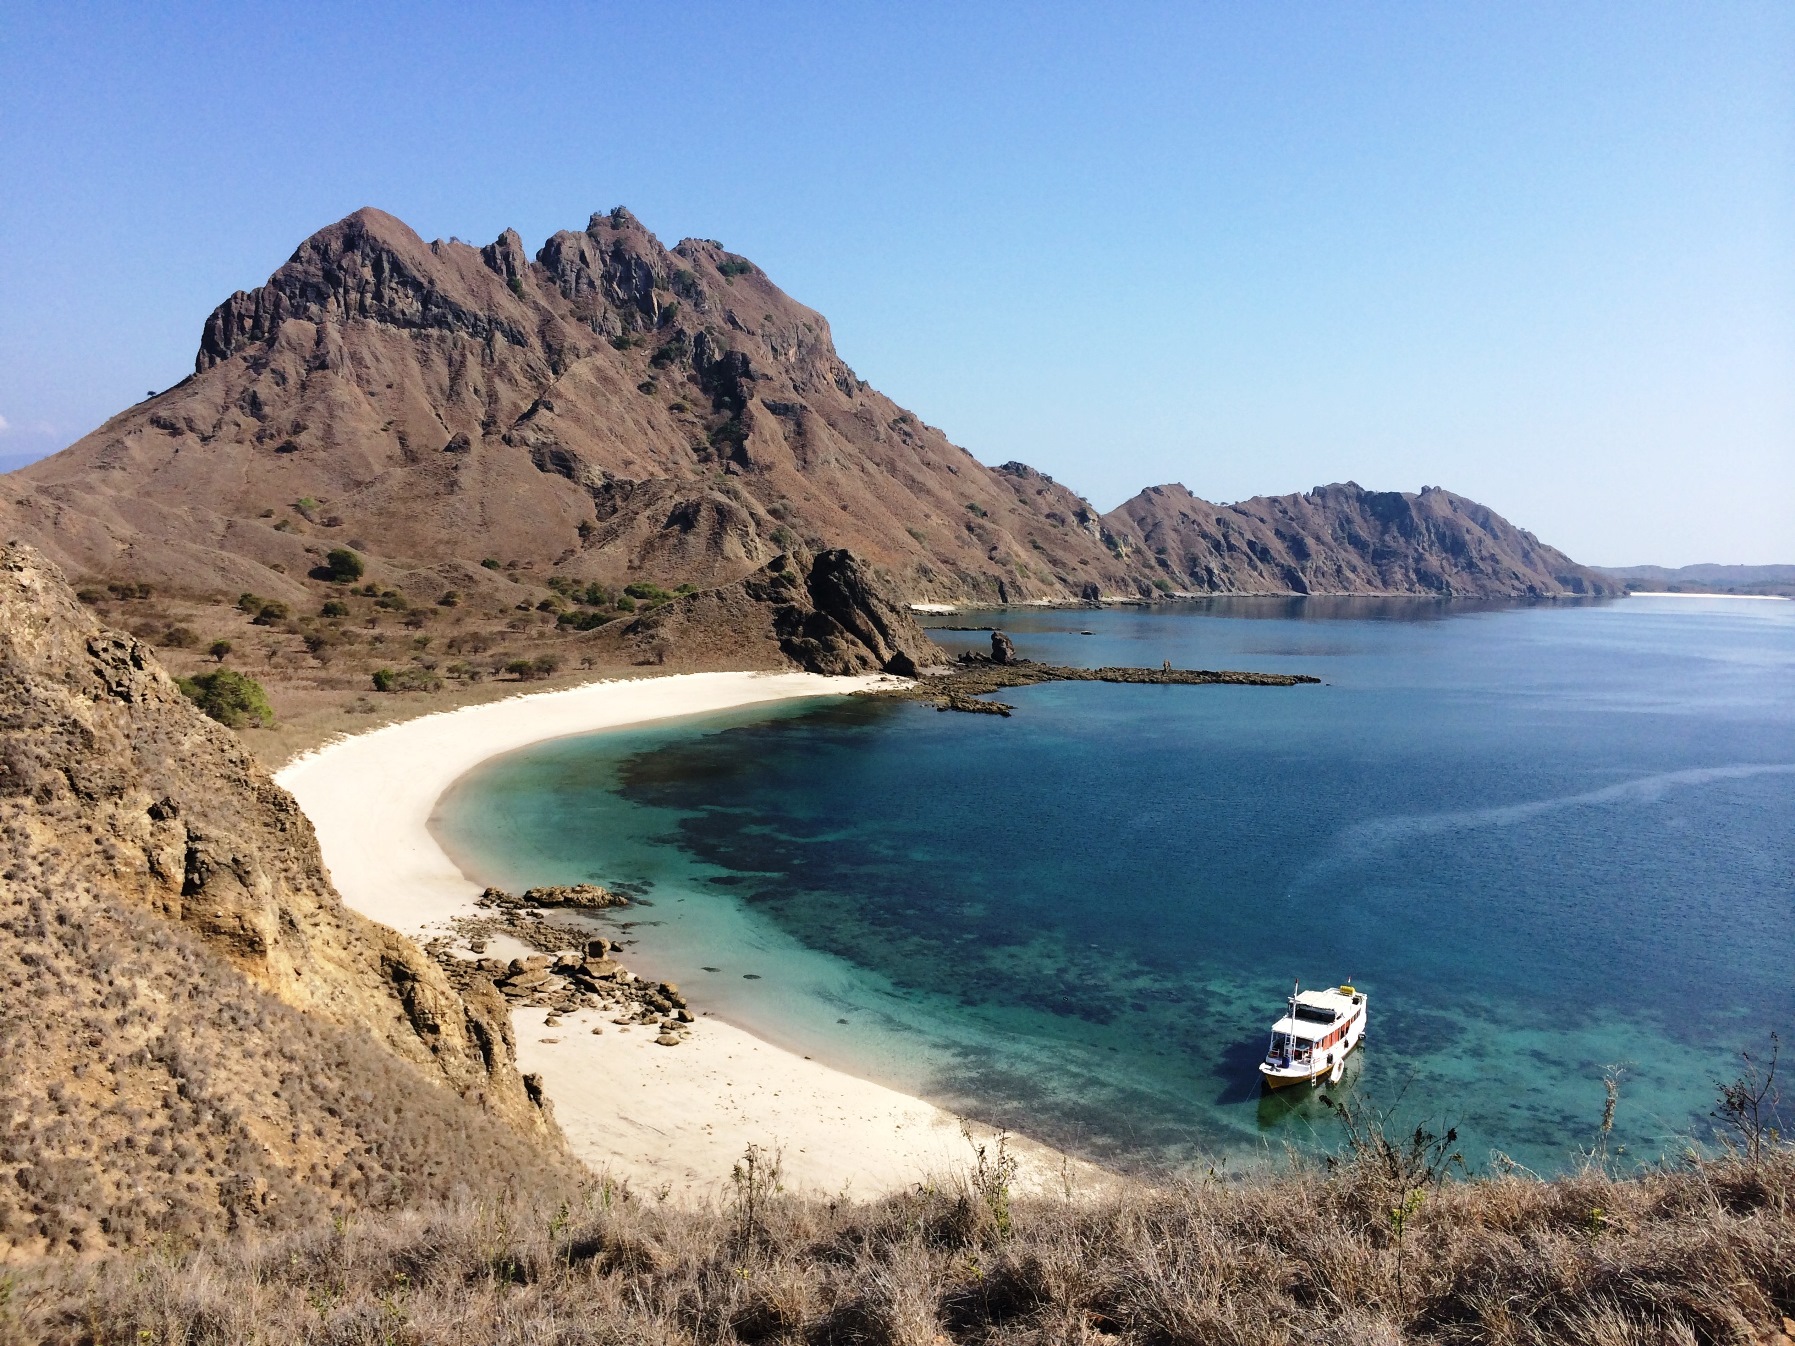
x,y
196,1031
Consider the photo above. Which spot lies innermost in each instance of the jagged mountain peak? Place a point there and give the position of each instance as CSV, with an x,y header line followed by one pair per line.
x,y
611,410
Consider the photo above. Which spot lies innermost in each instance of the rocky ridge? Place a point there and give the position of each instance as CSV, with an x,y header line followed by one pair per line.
x,y
614,411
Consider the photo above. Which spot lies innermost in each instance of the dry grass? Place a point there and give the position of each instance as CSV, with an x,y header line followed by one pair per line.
x,y
1701,1252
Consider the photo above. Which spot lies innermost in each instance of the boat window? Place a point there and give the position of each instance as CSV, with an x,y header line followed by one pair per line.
x,y
1316,1014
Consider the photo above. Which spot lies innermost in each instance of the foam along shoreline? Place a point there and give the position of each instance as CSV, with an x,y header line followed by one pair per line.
x,y
668,1119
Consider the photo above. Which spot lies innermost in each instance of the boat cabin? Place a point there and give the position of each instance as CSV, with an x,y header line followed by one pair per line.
x,y
1316,1021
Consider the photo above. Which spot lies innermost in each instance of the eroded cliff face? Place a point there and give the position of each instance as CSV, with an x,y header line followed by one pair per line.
x,y
829,613
196,1029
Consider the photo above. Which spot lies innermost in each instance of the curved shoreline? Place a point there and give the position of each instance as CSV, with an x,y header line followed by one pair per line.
x,y
669,1119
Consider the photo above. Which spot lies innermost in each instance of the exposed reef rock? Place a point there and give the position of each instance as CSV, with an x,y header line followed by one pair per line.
x,y
585,896
977,676
188,1003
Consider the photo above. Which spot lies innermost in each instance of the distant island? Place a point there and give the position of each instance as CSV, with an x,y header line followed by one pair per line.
x,y
1777,580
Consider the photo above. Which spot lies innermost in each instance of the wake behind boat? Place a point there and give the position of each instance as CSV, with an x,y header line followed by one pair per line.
x,y
1311,1042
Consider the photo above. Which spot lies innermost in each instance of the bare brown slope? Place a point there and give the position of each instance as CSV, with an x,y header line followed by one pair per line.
x,y
611,411
1342,539
196,1030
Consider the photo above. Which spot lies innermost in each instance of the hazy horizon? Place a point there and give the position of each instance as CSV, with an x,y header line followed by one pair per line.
x,y
1538,256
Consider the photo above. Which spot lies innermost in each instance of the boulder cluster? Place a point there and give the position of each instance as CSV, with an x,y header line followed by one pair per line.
x,y
590,980
580,895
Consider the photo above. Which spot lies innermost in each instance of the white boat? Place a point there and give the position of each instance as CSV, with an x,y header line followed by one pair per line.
x,y
1311,1042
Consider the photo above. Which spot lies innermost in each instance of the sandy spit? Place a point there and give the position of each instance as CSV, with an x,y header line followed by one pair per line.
x,y
670,1120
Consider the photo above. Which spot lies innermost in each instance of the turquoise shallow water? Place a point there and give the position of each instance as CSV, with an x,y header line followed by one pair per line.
x,y
1544,839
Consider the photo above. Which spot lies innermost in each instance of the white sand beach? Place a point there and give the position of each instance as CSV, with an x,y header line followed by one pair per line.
x,y
669,1119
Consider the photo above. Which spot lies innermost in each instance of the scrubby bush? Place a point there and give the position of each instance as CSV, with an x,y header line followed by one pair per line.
x,y
232,698
334,607
529,670
270,612
491,563
582,621
345,566
180,637
218,649
406,680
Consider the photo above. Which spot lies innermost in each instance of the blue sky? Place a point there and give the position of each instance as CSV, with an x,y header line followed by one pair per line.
x,y
1543,255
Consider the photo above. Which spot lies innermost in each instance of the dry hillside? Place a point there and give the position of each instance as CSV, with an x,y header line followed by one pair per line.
x,y
197,1033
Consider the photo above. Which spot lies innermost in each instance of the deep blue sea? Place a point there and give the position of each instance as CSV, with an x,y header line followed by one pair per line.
x,y
1546,840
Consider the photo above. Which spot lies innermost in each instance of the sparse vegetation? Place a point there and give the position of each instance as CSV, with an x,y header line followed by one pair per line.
x,y
414,679
233,699
1694,1253
529,670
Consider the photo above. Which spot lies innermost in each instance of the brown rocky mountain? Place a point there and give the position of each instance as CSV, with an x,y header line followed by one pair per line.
x,y
613,411
197,1033
1342,539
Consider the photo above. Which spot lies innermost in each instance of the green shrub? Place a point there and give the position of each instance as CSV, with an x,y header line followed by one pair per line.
x,y
1162,586
232,698
406,680
334,607
218,649
345,566
180,637
582,621
250,603
735,266
652,593
270,612
491,563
